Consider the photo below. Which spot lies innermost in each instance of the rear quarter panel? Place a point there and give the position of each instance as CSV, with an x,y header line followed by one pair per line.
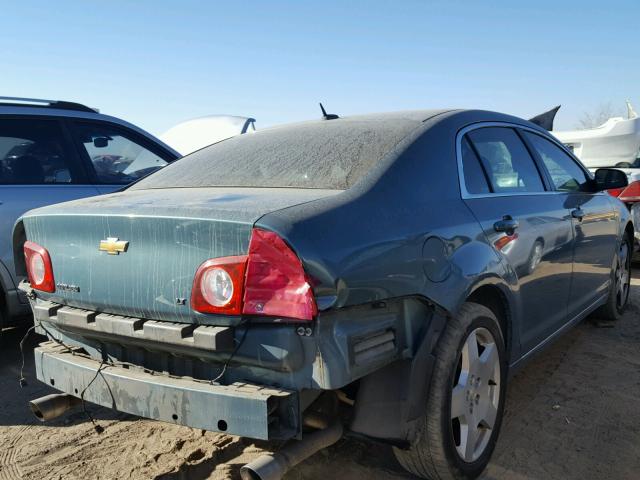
x,y
401,231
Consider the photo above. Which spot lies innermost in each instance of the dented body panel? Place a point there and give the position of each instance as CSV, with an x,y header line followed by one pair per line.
x,y
342,347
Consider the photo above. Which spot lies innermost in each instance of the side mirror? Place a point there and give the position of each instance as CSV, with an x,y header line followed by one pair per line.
x,y
609,178
100,142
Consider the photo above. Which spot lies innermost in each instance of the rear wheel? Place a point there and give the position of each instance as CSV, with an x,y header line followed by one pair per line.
x,y
465,403
620,282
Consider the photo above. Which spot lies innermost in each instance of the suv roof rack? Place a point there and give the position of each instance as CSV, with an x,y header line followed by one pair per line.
x,y
39,102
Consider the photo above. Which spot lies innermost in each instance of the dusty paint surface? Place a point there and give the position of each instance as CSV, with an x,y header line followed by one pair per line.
x,y
170,233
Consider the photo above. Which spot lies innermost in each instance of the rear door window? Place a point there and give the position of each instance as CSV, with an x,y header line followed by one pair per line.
x,y
506,160
118,157
35,152
566,174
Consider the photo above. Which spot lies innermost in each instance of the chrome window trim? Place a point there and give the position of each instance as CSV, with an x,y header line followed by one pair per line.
x,y
463,188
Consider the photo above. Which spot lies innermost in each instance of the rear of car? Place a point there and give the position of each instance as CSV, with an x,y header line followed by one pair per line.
x,y
187,287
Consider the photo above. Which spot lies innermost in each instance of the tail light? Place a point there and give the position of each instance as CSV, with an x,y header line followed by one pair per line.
x,y
39,269
631,193
269,281
217,286
615,192
276,283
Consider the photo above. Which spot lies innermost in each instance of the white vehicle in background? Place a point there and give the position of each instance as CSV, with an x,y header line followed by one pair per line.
x,y
615,143
197,133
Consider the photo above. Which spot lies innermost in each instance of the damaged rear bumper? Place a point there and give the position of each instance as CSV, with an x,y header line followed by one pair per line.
x,y
241,409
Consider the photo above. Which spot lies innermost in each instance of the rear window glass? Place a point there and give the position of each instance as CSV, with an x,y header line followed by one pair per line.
x,y
331,154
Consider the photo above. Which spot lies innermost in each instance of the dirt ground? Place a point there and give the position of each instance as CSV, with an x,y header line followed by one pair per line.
x,y
572,413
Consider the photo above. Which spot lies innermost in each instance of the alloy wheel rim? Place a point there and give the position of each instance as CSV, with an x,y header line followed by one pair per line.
x,y
623,276
475,395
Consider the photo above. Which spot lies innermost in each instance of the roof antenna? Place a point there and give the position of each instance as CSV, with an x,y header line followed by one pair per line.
x,y
327,116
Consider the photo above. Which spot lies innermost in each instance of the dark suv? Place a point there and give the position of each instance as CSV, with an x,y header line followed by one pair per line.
x,y
54,151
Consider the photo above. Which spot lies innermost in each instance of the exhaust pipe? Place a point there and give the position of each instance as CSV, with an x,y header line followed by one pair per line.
x,y
274,466
52,406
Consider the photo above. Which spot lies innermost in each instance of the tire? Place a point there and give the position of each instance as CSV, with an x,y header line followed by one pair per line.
x,y
438,452
618,298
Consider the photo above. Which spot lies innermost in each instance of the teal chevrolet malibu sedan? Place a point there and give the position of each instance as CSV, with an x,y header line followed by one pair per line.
x,y
380,275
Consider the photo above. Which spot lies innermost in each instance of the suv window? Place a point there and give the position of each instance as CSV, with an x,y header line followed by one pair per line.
x,y
474,178
506,160
566,174
33,152
116,157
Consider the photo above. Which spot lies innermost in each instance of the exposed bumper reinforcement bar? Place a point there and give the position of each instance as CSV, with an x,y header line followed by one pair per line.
x,y
240,409
218,339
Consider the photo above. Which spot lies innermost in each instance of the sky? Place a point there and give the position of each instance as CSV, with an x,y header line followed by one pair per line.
x,y
157,63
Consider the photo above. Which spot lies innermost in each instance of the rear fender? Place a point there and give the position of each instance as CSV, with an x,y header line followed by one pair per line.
x,y
392,401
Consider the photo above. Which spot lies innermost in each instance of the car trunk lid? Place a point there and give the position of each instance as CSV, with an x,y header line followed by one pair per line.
x,y
135,253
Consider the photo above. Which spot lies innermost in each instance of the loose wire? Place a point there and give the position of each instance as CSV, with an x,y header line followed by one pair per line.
x,y
106,363
23,380
233,354
98,428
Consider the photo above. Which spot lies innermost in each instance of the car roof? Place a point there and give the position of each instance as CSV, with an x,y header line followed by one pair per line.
x,y
410,115
338,151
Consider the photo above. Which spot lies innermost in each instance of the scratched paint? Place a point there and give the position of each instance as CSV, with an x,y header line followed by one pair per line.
x,y
170,233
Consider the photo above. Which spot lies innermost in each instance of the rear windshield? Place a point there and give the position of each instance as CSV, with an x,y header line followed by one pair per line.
x,y
332,154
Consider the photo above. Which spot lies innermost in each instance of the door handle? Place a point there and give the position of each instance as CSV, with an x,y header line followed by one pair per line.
x,y
578,213
507,225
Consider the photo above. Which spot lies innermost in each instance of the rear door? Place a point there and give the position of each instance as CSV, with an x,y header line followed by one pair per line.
x,y
524,220
116,156
38,167
595,223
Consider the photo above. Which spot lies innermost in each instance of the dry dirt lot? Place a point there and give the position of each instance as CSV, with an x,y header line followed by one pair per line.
x,y
572,413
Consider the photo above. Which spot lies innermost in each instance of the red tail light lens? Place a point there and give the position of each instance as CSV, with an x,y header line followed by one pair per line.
x,y
631,193
269,281
614,192
276,283
39,269
217,286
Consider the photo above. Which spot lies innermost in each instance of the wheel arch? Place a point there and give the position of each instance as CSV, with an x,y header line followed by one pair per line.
x,y
497,298
397,391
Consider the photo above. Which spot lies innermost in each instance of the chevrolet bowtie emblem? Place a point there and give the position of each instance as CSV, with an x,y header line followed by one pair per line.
x,y
113,246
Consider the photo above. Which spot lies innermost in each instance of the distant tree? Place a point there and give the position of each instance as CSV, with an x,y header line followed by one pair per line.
x,y
600,115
